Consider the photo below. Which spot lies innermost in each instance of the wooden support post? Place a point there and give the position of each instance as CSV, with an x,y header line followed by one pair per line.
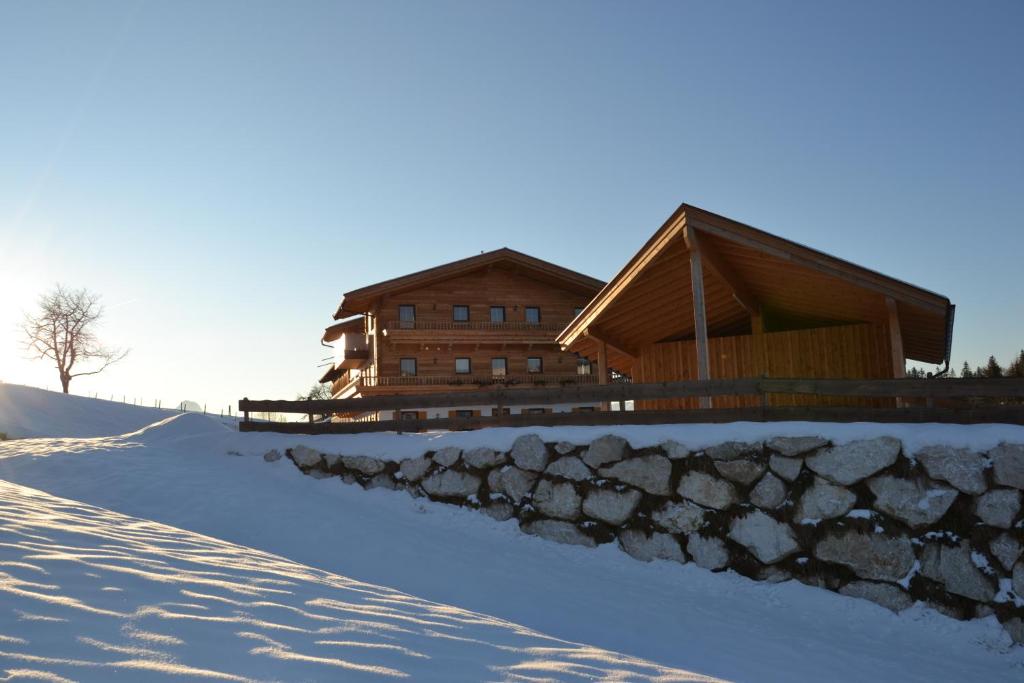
x,y
700,322
899,361
602,368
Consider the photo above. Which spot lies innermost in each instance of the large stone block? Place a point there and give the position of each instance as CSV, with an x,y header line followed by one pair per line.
x,y
794,446
499,510
611,506
272,455
849,463
731,450
769,493
954,567
447,456
649,472
912,501
787,468
512,482
363,464
885,594
680,518
569,467
1018,579
998,507
1007,550
483,458
415,468
563,447
675,450
560,532
452,483
1008,464
707,490
306,457
708,552
558,500
822,500
961,467
767,538
605,450
530,453
741,471
869,556
657,546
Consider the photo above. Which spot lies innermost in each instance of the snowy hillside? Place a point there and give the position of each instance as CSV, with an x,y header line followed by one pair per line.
x,y
144,594
27,411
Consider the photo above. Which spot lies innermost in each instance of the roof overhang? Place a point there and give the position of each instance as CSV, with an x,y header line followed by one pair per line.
x,y
649,300
350,326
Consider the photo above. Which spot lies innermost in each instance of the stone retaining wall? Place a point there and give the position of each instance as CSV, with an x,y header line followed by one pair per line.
x,y
866,519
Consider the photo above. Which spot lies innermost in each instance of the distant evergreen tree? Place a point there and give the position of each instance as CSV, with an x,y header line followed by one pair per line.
x,y
992,369
1016,367
966,371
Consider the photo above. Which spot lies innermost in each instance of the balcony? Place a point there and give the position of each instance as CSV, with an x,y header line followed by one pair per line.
x,y
475,382
447,330
352,358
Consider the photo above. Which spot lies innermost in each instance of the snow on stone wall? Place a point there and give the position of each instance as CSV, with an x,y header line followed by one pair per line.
x,y
943,526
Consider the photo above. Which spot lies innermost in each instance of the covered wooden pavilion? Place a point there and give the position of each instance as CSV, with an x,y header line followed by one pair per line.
x,y
709,297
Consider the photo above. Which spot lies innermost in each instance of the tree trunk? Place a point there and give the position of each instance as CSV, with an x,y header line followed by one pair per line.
x,y
65,382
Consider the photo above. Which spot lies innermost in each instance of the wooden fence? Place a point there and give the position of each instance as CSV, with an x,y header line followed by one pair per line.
x,y
962,401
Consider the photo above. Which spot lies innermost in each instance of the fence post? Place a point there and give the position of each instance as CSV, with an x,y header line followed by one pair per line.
x,y
246,418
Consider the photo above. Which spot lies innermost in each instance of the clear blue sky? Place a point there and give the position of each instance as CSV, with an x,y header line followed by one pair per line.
x,y
222,172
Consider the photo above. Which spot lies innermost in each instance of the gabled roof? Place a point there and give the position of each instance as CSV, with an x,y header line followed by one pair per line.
x,y
650,299
361,300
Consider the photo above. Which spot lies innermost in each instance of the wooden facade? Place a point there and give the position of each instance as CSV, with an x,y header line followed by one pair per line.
x,y
487,321
710,298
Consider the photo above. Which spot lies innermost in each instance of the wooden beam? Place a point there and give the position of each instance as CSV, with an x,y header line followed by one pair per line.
x,y
899,360
717,262
611,340
602,368
700,321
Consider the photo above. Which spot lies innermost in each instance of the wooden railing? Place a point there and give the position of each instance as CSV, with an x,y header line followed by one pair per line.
x,y
486,325
925,400
536,379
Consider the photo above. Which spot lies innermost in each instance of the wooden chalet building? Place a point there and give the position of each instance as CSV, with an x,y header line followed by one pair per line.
x,y
485,321
708,297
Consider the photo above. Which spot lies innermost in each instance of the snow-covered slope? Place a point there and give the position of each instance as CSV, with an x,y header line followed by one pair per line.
x,y
27,412
89,594
718,625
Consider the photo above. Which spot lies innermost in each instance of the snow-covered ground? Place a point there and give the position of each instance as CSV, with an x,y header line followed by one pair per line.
x,y
27,411
666,620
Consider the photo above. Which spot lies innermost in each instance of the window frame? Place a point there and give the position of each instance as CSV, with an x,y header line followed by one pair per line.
x,y
402,322
469,365
526,315
540,365
504,371
463,413
456,307
401,367
504,314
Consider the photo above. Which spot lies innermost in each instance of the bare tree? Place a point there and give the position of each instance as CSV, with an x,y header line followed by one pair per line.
x,y
63,330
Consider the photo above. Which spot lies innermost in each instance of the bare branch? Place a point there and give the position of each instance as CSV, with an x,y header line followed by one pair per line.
x,y
63,330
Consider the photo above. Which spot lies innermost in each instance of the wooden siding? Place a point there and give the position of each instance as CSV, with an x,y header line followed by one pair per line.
x,y
841,352
435,350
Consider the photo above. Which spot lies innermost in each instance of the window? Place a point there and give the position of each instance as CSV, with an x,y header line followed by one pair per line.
x,y
460,314
504,411
583,367
497,314
407,316
462,366
408,367
534,411
410,415
463,413
499,367
584,409
533,315
534,365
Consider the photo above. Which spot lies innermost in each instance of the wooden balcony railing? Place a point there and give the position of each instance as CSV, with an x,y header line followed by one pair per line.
x,y
475,326
529,380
